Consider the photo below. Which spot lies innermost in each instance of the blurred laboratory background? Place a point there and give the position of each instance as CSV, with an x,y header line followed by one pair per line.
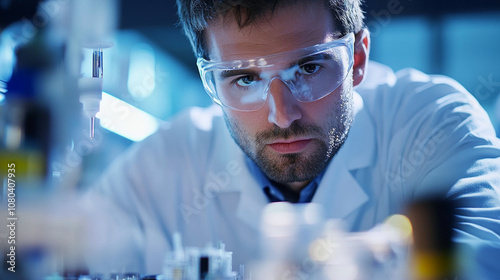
x,y
150,72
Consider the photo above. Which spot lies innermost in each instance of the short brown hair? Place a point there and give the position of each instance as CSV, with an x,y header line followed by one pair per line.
x,y
194,15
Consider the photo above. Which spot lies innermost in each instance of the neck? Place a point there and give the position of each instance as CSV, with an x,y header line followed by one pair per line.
x,y
291,191
296,187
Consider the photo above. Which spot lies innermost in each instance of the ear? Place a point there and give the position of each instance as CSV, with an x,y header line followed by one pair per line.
x,y
361,55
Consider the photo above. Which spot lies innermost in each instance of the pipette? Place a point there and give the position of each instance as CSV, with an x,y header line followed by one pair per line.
x,y
97,72
95,35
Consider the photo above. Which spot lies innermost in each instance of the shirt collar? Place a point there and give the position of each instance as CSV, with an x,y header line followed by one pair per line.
x,y
273,193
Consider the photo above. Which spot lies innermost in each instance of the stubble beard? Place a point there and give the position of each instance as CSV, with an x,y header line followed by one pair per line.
x,y
297,167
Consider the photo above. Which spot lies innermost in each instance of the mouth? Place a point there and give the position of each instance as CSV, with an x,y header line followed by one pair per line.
x,y
289,146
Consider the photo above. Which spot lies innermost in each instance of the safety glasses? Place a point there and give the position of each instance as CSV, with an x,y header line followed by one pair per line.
x,y
310,74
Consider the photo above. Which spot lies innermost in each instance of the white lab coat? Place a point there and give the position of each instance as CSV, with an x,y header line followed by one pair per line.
x,y
413,135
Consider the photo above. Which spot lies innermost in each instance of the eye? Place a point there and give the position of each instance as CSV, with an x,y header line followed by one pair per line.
x,y
245,81
309,68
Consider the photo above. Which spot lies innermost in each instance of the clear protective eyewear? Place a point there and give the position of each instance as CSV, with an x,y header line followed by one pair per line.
x,y
310,74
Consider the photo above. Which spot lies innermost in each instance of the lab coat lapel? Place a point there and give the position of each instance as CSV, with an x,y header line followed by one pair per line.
x,y
339,192
250,197
243,194
252,201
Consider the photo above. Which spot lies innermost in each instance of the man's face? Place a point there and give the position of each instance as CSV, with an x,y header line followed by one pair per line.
x,y
291,141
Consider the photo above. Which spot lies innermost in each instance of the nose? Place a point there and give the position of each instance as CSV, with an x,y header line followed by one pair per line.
x,y
283,107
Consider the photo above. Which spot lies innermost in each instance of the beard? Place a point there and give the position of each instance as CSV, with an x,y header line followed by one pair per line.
x,y
327,139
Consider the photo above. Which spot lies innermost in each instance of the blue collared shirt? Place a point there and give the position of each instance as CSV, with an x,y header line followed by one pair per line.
x,y
272,191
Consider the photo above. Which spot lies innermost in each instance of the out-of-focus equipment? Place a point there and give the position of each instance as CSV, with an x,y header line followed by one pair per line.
x,y
40,123
91,90
301,244
194,263
95,35
434,254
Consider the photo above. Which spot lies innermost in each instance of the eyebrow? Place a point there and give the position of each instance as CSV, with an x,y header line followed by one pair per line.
x,y
318,56
236,72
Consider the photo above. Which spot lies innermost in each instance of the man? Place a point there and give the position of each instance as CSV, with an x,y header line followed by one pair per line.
x,y
296,122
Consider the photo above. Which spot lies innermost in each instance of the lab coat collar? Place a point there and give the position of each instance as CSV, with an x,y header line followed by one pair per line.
x,y
339,192
358,150
252,202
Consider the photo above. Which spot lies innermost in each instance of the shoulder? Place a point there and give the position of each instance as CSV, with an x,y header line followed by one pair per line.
x,y
411,97
426,126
